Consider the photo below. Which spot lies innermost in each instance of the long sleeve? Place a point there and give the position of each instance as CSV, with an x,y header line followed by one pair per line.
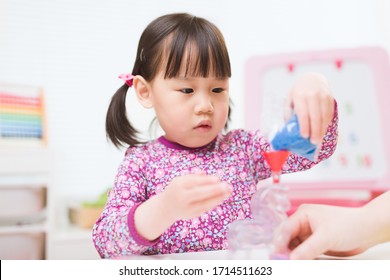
x,y
114,233
236,158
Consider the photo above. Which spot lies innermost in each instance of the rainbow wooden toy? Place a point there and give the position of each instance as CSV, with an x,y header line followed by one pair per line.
x,y
22,116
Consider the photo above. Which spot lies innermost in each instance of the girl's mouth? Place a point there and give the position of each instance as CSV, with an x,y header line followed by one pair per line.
x,y
204,126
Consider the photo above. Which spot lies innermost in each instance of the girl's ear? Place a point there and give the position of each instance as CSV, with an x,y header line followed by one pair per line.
x,y
143,91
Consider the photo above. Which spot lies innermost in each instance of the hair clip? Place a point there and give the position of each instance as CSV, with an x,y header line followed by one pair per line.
x,y
127,78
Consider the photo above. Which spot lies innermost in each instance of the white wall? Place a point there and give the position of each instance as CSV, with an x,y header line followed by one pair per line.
x,y
75,50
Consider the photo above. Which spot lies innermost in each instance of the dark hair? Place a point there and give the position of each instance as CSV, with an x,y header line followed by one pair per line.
x,y
168,40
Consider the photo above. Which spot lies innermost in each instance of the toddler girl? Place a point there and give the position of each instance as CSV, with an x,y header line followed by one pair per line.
x,y
179,193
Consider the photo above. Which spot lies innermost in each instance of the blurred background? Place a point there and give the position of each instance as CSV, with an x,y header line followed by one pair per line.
x,y
67,55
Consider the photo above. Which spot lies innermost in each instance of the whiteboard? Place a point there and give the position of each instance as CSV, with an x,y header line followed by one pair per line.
x,y
359,79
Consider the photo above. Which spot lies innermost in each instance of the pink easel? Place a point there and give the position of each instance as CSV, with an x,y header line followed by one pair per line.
x,y
375,63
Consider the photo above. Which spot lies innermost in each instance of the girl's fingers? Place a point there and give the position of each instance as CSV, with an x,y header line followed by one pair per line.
x,y
203,199
314,113
301,109
202,206
315,119
190,181
327,109
203,193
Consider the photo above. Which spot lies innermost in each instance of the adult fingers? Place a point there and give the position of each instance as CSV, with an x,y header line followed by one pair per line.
x,y
315,245
296,227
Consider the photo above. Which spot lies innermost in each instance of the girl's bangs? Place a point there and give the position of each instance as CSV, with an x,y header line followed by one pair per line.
x,y
199,54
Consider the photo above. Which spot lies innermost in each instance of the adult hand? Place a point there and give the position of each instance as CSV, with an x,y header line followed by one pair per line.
x,y
322,229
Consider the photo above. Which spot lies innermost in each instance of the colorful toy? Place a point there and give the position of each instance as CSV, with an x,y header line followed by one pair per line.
x,y
22,116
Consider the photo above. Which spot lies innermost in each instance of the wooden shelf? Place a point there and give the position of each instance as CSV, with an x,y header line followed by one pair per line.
x,y
24,179
26,228
24,161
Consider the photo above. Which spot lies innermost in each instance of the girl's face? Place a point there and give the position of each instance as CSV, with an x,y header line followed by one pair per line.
x,y
192,111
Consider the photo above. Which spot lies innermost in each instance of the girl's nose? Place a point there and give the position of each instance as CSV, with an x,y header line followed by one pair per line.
x,y
204,104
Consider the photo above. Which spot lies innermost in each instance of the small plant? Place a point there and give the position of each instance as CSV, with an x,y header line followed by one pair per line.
x,y
99,202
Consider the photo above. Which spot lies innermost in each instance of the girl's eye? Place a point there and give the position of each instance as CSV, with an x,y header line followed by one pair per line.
x,y
218,90
187,90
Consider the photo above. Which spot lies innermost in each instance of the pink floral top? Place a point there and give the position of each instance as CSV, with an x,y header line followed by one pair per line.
x,y
146,170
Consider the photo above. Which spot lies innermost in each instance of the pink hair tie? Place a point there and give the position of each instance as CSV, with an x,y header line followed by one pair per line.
x,y
127,78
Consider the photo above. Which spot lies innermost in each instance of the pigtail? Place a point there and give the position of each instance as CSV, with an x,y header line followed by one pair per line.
x,y
118,128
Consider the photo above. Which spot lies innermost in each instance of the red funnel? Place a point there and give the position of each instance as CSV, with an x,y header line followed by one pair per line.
x,y
276,159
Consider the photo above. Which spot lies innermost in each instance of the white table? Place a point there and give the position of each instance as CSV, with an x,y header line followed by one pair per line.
x,y
379,252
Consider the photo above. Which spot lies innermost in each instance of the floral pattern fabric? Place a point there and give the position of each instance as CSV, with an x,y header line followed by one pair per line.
x,y
147,170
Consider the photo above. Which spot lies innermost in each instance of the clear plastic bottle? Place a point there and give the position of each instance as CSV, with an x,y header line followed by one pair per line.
x,y
253,239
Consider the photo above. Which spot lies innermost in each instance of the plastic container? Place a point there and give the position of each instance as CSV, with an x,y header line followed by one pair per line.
x,y
20,205
22,246
84,217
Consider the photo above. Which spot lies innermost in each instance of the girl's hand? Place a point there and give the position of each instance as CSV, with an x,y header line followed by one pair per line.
x,y
185,197
312,101
191,195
